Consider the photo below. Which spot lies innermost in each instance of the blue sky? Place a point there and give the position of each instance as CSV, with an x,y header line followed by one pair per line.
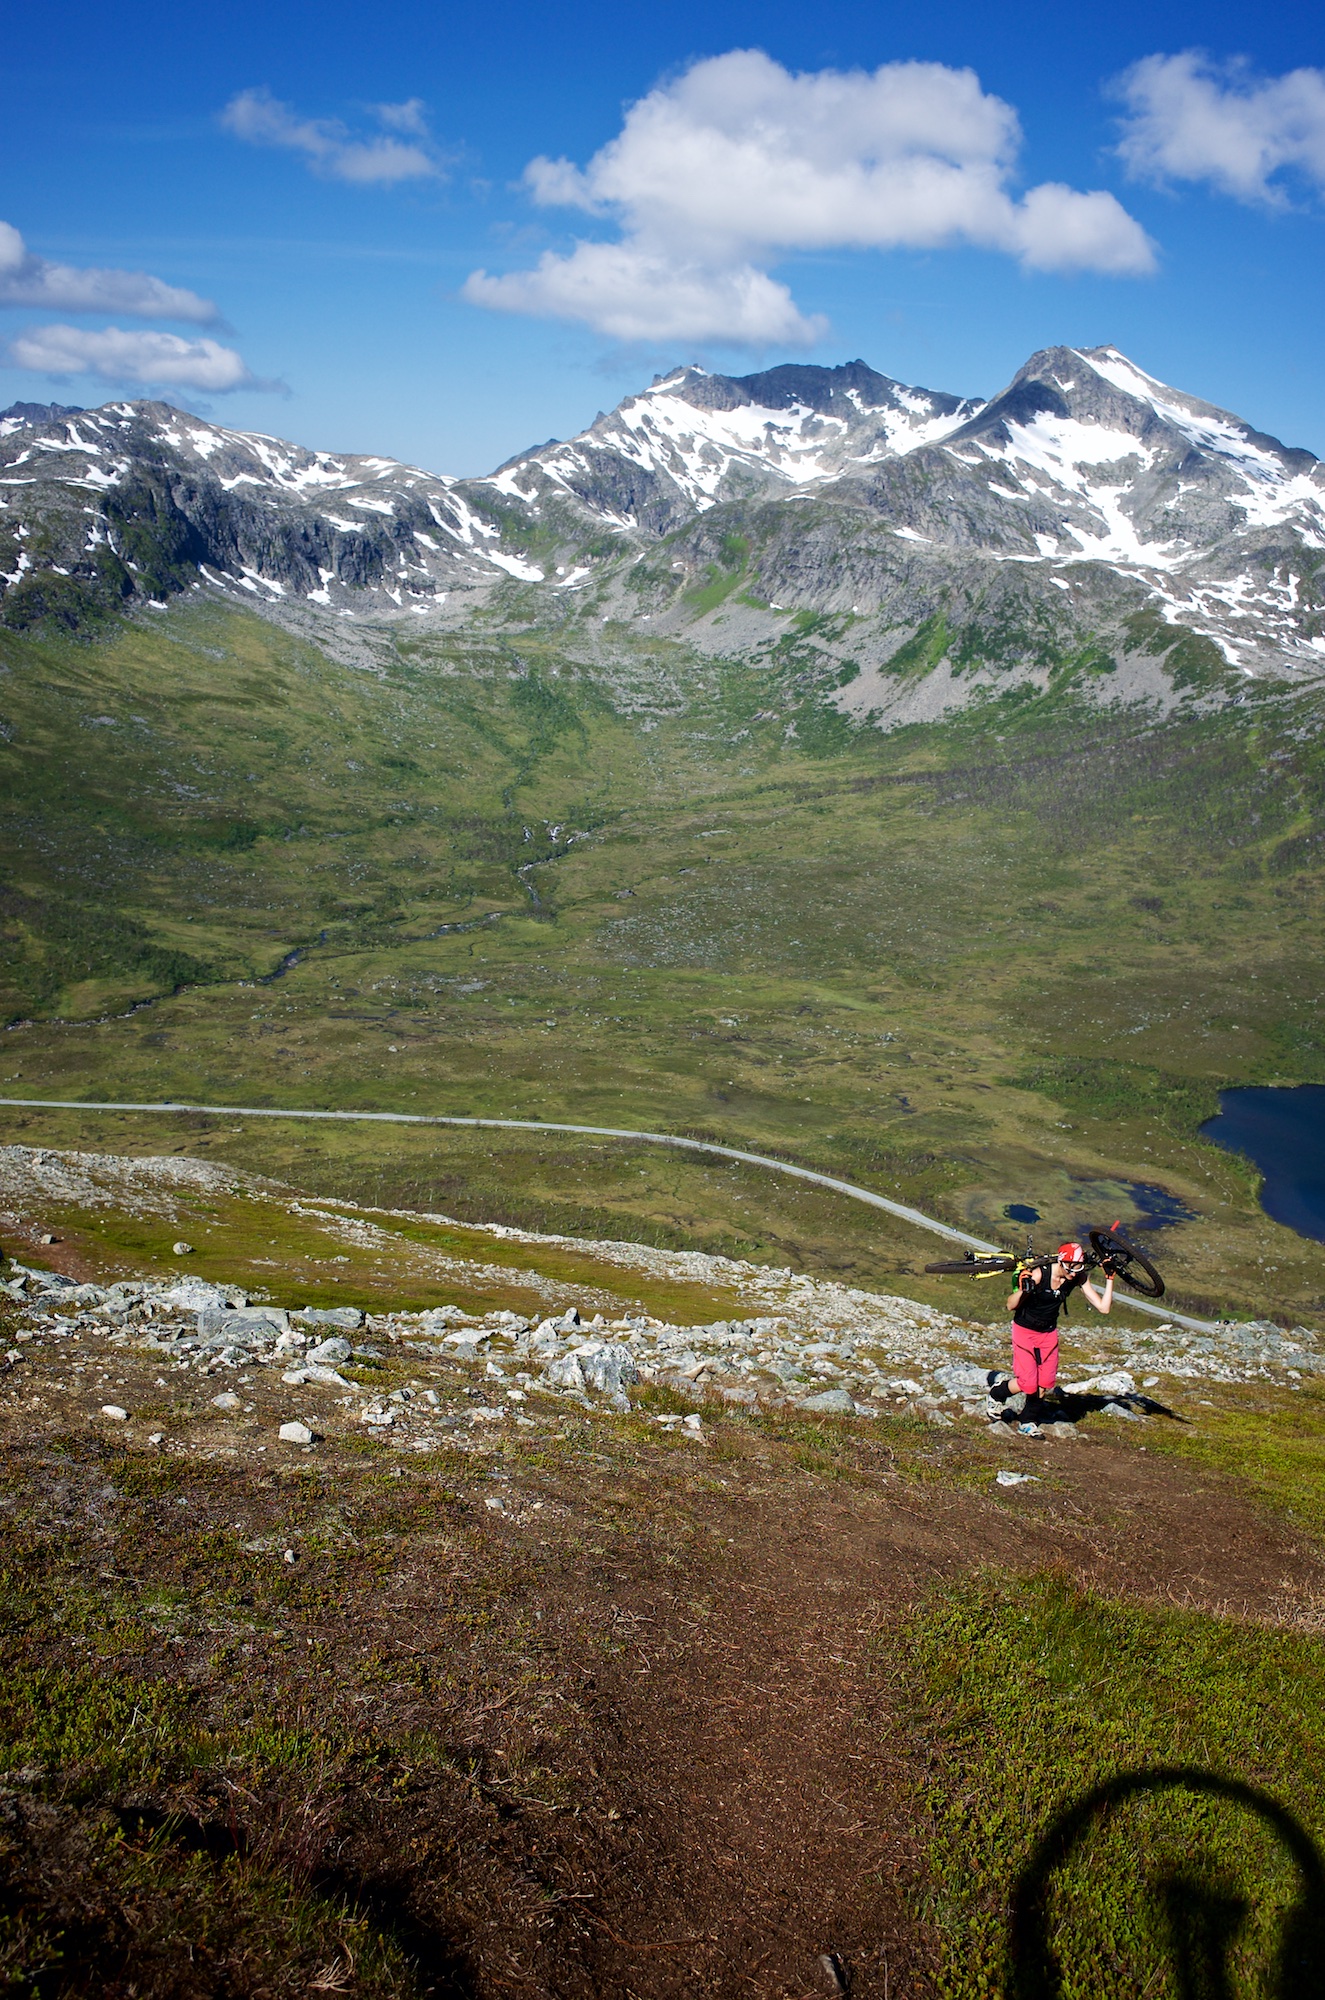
x,y
313,190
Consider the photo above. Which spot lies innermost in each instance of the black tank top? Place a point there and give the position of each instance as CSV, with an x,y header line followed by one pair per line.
x,y
1040,1303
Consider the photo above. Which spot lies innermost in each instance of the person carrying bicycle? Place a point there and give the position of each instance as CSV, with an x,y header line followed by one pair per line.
x,y
1041,1295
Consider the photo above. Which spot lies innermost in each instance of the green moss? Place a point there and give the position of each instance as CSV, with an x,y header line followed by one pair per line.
x,y
1035,1694
921,653
1272,1445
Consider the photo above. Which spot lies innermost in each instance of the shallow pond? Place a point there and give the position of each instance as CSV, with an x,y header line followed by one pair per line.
x,y
1283,1132
1154,1207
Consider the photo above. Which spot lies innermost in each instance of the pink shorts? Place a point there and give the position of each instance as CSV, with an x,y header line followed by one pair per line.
x,y
1034,1359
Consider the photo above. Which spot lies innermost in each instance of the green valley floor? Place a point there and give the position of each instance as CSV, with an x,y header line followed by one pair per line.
x,y
1002,963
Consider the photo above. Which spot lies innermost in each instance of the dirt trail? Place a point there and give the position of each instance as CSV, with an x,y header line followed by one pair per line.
x,y
753,1729
675,1745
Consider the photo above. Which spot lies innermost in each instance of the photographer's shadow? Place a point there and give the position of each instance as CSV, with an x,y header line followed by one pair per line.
x,y
1200,1924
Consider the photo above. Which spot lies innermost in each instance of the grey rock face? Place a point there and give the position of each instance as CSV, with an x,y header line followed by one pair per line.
x,y
20,415
347,1318
960,1379
174,500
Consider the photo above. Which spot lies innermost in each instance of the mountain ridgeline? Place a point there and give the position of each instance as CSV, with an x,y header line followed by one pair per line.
x,y
1087,524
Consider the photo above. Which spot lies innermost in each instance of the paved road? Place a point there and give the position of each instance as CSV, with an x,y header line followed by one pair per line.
x,y
848,1188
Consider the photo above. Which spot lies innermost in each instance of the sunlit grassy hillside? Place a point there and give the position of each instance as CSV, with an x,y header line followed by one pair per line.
x,y
1008,960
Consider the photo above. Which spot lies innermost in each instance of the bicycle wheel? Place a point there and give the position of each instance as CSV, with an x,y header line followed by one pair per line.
x,y
973,1267
1130,1267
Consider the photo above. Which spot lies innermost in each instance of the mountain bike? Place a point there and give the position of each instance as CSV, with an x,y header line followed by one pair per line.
x,y
1108,1250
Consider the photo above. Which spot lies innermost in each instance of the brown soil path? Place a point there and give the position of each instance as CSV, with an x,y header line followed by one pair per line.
x,y
752,1730
679,1754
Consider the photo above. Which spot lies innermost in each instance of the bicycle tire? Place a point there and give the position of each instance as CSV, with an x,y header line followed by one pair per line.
x,y
972,1267
1114,1248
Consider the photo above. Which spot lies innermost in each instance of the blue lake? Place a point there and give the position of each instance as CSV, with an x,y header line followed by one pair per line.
x,y
1283,1131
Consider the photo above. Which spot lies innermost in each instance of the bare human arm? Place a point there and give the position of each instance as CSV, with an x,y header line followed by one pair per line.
x,y
1100,1304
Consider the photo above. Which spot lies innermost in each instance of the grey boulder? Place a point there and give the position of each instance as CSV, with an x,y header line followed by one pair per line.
x,y
605,1365
242,1326
348,1318
961,1378
829,1403
329,1353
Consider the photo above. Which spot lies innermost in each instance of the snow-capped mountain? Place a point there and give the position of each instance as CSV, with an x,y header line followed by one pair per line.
x,y
695,439
163,493
1050,518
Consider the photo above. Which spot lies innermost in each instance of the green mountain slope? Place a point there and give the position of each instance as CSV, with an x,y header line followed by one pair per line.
x,y
1006,960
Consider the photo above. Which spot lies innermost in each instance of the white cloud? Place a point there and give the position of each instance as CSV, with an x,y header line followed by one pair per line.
x,y
29,280
738,162
633,294
163,360
408,117
262,120
1193,120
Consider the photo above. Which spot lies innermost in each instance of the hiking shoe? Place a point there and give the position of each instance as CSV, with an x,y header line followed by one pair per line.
x,y
1030,1430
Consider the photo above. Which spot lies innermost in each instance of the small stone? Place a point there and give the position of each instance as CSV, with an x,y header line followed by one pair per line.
x,y
181,1249
491,1500
295,1434
227,1400
48,1238
289,1553
693,1422
1016,1479
115,1413
156,1437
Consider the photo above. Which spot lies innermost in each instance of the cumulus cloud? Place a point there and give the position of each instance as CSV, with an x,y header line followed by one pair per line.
x,y
633,293
738,162
329,148
112,354
1190,119
29,280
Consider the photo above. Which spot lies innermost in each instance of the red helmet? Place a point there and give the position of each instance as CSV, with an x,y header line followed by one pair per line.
x,y
1070,1253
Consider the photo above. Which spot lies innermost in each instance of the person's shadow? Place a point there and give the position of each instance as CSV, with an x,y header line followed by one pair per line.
x,y
1066,1406
1200,1924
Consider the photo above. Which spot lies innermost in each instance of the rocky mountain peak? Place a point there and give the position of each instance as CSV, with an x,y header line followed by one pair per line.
x,y
19,416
